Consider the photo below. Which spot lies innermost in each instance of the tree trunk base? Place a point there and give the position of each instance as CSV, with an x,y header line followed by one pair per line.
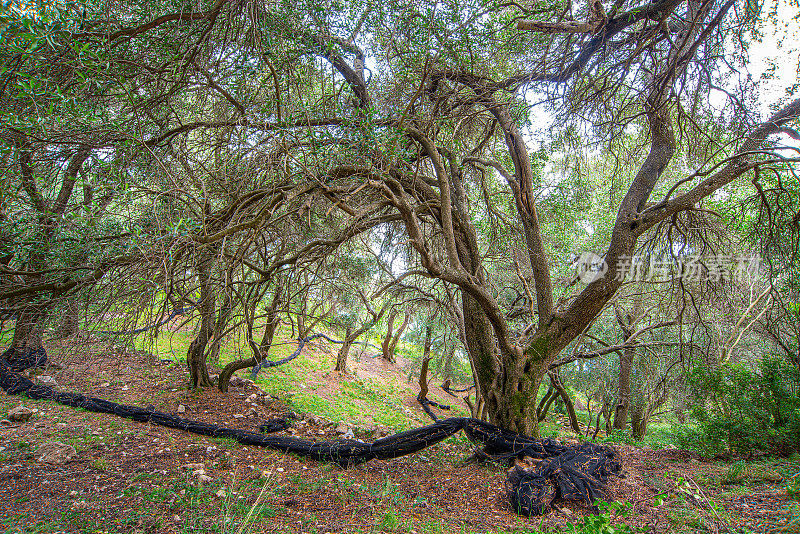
x,y
21,358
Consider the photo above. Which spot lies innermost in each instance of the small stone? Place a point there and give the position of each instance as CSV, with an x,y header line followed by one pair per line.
x,y
279,469
237,416
204,479
176,518
46,381
221,494
105,384
20,414
236,381
199,472
55,452
194,467
79,505
343,428
369,428
380,433
125,388
181,408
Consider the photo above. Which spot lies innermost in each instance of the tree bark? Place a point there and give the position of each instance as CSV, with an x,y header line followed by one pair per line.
x,y
27,335
344,351
545,403
447,368
639,421
391,338
555,380
398,334
259,351
422,396
624,388
196,355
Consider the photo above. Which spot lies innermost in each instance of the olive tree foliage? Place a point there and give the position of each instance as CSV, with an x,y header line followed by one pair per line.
x,y
264,135
224,178
66,207
454,109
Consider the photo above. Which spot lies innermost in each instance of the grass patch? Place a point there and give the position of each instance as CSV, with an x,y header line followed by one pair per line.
x,y
356,401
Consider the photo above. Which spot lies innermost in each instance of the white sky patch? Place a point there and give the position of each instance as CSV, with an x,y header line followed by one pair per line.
x,y
780,47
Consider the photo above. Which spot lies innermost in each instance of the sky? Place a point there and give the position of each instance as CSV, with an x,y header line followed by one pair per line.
x,y
781,46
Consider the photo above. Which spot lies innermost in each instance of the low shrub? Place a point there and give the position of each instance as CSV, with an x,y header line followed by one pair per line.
x,y
746,409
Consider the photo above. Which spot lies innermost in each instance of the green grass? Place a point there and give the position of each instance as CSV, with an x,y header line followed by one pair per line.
x,y
356,401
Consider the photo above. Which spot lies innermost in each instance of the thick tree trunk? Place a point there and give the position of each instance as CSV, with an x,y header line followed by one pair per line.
x,y
398,334
387,339
26,346
391,338
344,351
447,368
544,405
219,327
639,422
624,388
196,359
511,402
196,355
422,396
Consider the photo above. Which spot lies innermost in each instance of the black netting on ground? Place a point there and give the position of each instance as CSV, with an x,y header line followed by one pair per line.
x,y
559,471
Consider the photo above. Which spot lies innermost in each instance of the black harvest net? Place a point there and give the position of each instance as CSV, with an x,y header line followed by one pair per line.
x,y
555,470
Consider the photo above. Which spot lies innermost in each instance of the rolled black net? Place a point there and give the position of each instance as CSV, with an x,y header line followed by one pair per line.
x,y
556,470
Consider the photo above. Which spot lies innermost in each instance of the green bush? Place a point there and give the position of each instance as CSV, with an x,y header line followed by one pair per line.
x,y
747,408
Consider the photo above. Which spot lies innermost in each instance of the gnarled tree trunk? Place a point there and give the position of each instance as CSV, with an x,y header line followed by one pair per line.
x,y
27,339
344,351
259,351
391,338
196,355
624,388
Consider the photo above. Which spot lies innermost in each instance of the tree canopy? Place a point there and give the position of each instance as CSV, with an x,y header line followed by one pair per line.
x,y
328,161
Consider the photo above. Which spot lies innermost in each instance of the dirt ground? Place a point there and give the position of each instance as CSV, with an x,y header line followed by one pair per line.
x,y
135,477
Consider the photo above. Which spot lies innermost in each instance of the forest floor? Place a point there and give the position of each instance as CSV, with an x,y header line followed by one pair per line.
x,y
135,477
